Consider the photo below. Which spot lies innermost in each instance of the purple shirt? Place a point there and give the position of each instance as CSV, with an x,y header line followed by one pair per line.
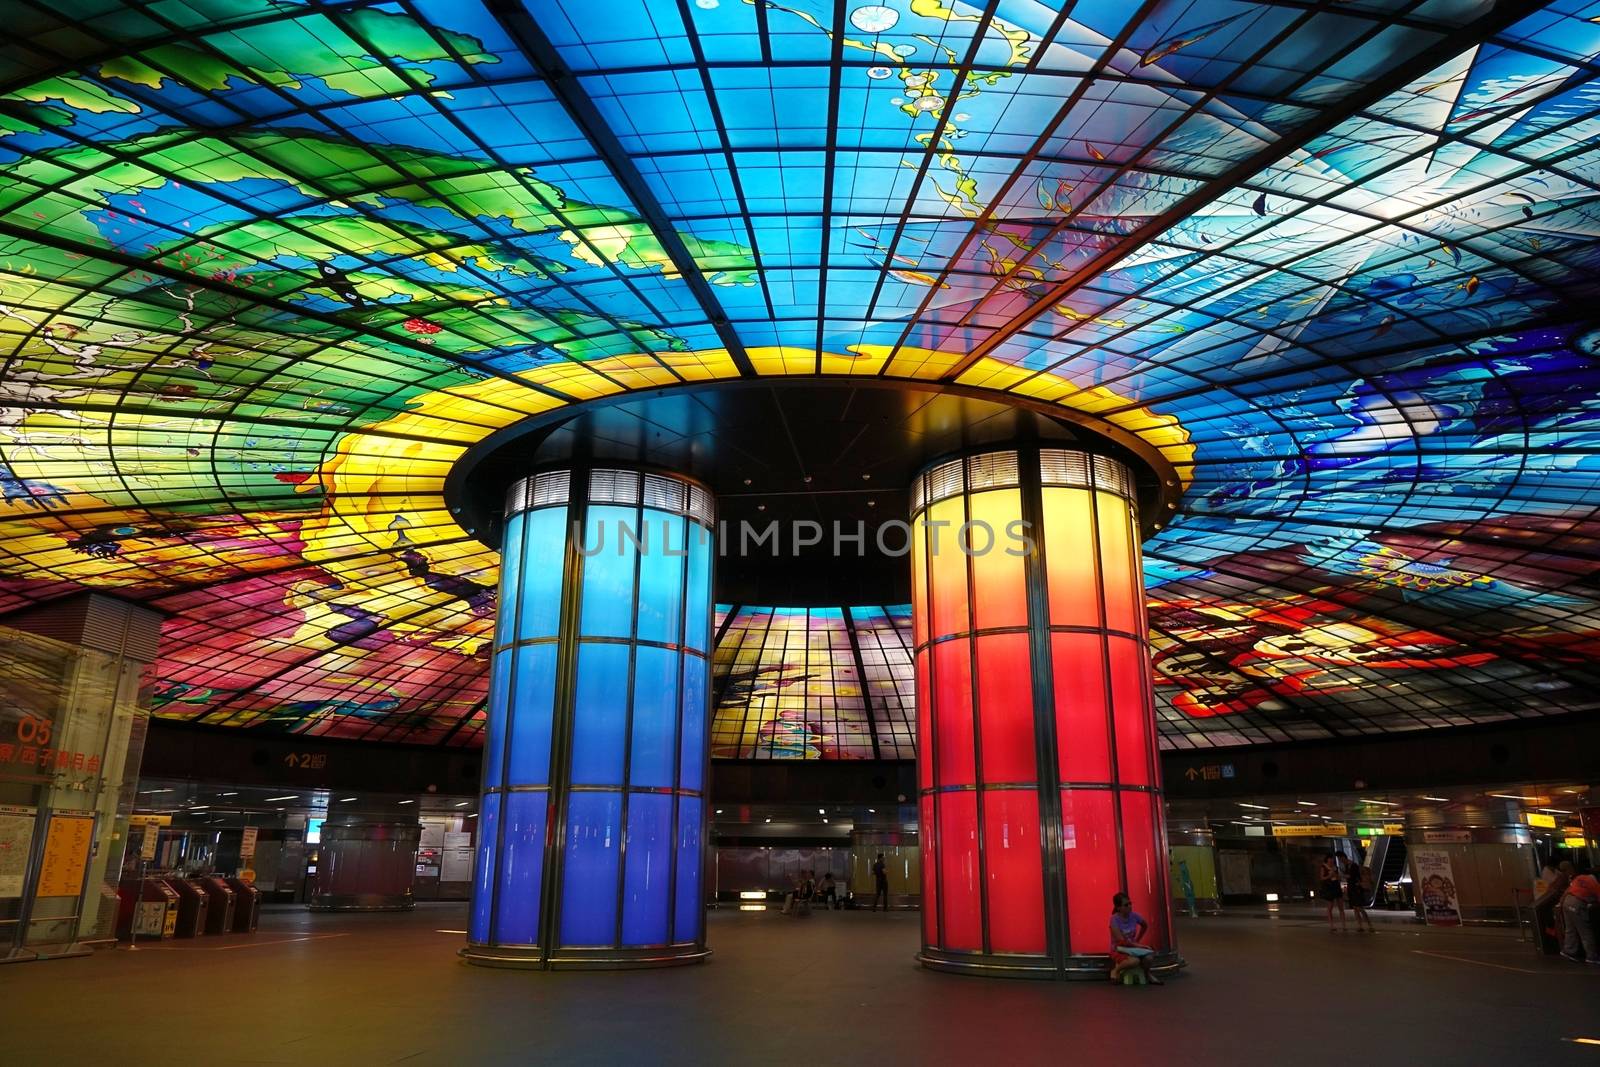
x,y
1126,927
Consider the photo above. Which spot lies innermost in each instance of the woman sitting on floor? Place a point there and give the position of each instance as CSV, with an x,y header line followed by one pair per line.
x,y
1128,928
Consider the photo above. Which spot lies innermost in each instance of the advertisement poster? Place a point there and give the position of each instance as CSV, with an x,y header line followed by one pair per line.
x,y
1436,887
247,844
1234,869
16,836
66,854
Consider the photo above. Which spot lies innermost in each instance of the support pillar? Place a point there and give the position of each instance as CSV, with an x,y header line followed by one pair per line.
x,y
591,843
1039,783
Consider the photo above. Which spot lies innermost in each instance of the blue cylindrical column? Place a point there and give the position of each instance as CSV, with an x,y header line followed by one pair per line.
x,y
595,760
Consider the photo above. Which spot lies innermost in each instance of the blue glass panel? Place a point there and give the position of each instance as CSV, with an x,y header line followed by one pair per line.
x,y
661,577
647,881
545,547
495,719
589,888
689,910
655,716
611,554
521,869
483,870
692,756
697,597
510,576
534,687
600,716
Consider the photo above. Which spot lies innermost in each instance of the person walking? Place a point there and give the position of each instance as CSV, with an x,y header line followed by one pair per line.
x,y
1357,883
880,883
1583,893
1329,891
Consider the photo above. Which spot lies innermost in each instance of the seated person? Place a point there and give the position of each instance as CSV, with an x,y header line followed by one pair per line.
x,y
804,889
1128,928
828,892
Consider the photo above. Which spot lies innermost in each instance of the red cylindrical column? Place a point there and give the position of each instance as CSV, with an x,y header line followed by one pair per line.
x,y
1038,773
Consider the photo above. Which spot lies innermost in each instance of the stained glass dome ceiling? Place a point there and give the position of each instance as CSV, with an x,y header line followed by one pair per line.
x,y
267,268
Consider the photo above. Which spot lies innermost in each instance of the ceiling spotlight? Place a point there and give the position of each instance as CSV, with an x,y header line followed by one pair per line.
x,y
807,479
747,481
866,477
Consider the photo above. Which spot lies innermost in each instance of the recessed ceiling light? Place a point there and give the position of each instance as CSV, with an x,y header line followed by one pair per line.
x,y
1306,803
1441,800
291,796
464,803
346,800
1258,807
408,802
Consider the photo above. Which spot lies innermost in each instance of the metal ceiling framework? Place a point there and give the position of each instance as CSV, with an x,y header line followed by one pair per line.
x,y
265,271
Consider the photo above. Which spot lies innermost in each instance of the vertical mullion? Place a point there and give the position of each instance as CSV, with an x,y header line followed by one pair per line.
x,y
627,728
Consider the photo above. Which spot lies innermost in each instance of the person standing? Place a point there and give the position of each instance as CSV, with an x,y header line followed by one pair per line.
x,y
1356,886
1583,893
1329,891
880,883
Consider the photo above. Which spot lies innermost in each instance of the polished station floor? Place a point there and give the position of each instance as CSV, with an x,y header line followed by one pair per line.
x,y
833,988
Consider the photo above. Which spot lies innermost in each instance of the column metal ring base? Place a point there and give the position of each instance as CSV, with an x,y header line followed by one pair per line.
x,y
1085,967
532,958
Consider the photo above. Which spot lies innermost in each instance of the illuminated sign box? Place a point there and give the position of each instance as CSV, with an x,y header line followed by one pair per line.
x,y
1547,822
1316,829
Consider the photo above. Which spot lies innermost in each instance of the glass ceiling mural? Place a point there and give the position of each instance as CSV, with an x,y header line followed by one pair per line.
x,y
267,268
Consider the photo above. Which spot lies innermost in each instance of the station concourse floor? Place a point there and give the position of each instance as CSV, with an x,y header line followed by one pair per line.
x,y
831,988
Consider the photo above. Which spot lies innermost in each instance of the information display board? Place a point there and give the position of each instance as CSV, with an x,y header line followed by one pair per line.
x,y
16,838
66,854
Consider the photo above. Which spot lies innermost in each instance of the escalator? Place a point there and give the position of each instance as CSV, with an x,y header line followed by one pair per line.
x,y
1386,859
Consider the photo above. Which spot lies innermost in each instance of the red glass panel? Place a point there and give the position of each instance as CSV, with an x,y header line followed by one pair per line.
x,y
1089,833
928,837
925,746
999,579
1122,582
1012,860
952,713
1082,726
947,565
1005,709
1069,557
958,870
1146,856
1131,710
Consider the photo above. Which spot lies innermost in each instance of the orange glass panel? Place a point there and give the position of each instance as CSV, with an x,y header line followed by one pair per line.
x,y
948,567
1013,864
925,743
929,841
952,712
1121,580
1069,557
1089,835
1146,857
1005,709
1130,710
999,579
1083,743
958,870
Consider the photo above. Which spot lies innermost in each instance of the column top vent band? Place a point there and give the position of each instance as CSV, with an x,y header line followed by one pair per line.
x,y
999,470
633,488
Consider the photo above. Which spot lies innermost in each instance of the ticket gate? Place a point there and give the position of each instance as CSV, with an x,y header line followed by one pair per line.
x,y
246,906
146,908
193,903
219,904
